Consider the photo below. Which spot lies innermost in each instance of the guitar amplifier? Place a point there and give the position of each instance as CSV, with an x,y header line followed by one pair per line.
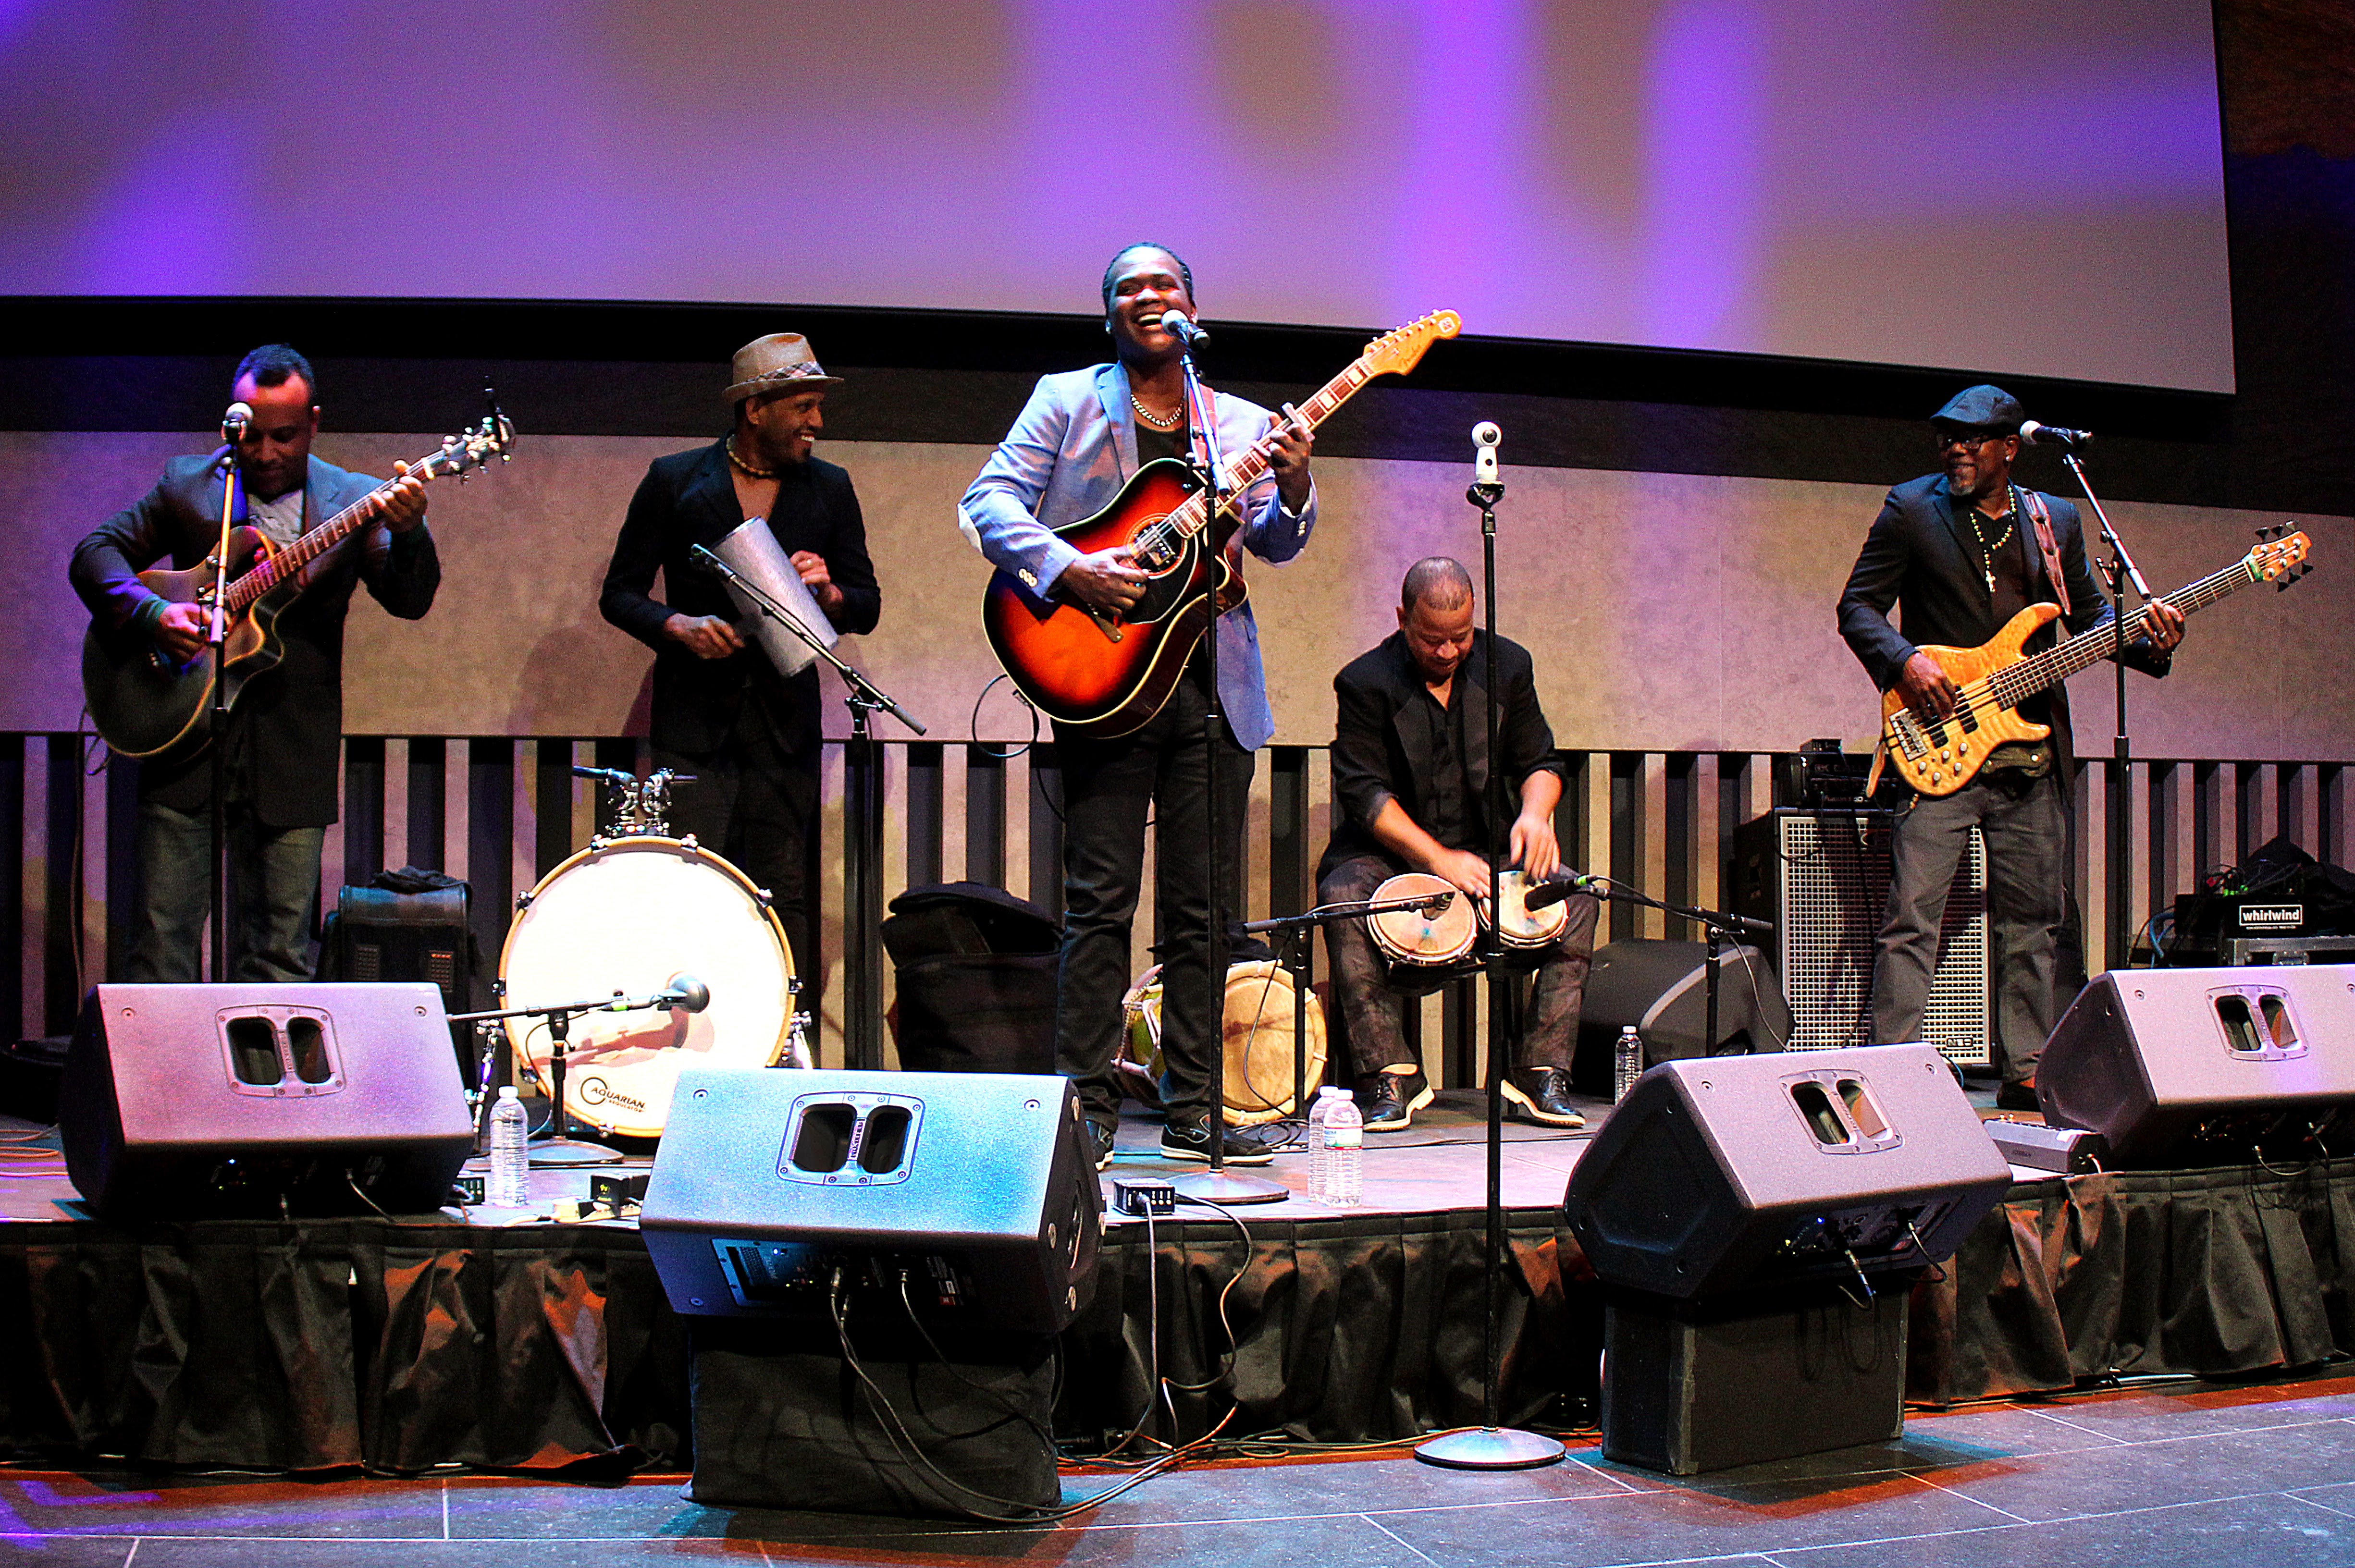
x,y
1821,879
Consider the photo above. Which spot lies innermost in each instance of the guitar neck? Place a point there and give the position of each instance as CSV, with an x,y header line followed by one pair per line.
x,y
2016,683
285,563
1250,463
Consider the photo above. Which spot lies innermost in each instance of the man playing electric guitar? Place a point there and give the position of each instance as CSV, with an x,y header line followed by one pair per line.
x,y
1959,553
282,776
1082,434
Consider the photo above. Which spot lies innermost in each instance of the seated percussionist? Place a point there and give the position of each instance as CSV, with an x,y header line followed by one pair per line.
x,y
1409,786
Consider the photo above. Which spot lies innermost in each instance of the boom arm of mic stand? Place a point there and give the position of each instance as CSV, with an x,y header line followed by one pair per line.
x,y
1732,924
864,692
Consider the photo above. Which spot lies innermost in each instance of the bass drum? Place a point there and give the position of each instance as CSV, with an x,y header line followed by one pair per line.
x,y
626,915
1258,1030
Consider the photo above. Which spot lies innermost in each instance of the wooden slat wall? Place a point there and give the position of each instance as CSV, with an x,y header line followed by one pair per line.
x,y
504,812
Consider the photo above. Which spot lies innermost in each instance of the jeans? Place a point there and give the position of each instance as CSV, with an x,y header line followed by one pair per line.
x,y
1108,786
2025,824
273,894
750,803
1372,1012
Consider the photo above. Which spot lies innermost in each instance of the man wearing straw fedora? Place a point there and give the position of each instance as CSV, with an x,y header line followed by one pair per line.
x,y
721,712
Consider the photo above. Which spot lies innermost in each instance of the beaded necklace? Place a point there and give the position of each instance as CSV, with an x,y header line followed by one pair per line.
x,y
1987,550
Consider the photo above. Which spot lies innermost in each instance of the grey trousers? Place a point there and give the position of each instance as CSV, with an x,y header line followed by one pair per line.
x,y
1374,1014
2025,827
273,888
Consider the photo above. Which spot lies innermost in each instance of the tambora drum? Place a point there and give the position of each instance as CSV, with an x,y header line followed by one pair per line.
x,y
1258,1031
624,916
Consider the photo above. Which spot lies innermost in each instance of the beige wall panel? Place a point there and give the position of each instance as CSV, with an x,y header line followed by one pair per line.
x,y
1670,612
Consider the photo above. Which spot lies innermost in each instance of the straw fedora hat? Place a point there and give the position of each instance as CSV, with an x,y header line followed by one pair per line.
x,y
781,362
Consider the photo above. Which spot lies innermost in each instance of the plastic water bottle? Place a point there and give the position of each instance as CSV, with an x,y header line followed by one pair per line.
x,y
1317,1110
1340,1175
509,1185
1626,1062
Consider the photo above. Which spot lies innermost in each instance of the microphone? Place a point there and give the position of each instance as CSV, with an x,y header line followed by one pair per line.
x,y
234,422
1436,905
1181,327
2037,435
1485,438
1553,890
686,991
604,775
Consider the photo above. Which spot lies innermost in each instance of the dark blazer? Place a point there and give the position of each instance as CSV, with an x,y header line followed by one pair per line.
x,y
288,721
1918,558
688,499
1382,737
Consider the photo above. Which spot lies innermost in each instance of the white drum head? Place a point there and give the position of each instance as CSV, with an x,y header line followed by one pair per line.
x,y
626,916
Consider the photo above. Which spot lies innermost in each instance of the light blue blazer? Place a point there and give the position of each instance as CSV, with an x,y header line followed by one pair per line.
x,y
1066,458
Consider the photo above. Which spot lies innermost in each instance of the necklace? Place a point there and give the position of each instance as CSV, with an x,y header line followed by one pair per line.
x,y
1987,551
1168,421
747,468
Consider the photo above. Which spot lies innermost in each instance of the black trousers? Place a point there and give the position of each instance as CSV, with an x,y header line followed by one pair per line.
x,y
1109,786
752,802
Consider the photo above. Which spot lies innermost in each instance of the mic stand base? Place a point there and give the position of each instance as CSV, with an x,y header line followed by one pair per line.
x,y
571,1153
1489,1448
1223,1187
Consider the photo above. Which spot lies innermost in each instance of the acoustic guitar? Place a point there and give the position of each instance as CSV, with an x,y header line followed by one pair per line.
x,y
1938,756
1108,674
145,703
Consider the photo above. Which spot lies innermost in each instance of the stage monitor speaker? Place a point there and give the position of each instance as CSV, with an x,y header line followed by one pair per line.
x,y
2206,1067
220,1100
1662,989
1782,1169
1821,880
976,1191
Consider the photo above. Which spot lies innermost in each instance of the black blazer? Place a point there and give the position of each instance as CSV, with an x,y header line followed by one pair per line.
x,y
288,721
1916,558
1382,740
688,499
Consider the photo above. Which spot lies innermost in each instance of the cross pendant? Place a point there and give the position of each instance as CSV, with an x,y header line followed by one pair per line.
x,y
1989,575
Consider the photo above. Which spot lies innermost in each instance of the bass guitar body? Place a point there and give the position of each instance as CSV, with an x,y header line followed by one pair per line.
x,y
144,703
1104,675
1939,756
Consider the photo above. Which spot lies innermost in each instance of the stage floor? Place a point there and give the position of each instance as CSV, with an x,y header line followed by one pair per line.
x,y
2189,1474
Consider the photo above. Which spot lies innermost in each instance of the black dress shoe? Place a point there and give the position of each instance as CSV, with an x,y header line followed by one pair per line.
x,y
1244,1145
1389,1100
1100,1136
1541,1095
2019,1098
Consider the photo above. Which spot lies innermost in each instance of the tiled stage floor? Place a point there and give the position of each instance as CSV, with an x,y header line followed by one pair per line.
x,y
2183,1475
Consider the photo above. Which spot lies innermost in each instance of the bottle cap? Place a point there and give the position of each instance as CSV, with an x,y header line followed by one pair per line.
x,y
506,1091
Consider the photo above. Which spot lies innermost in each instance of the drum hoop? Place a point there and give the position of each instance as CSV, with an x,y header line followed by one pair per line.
x,y
1387,945
519,1028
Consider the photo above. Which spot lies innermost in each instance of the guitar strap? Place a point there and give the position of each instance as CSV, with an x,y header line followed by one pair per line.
x,y
2040,517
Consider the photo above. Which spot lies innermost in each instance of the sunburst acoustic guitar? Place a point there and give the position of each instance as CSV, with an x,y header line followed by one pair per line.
x,y
1107,675
1938,756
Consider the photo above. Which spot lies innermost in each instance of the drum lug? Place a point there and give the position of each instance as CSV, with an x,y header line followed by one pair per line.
x,y
523,901
689,845
499,990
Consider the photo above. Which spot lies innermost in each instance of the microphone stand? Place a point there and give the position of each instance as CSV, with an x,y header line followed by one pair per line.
x,y
215,638
1492,1447
2120,571
862,856
1716,925
1216,1185
1294,931
560,1149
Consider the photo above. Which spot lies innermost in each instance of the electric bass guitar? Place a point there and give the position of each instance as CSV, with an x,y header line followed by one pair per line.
x,y
1108,674
1938,756
145,703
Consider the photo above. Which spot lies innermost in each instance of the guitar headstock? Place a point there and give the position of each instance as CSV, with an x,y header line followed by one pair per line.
x,y
2281,561
1396,353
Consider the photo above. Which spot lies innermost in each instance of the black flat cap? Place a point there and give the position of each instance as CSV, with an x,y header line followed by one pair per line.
x,y
1988,409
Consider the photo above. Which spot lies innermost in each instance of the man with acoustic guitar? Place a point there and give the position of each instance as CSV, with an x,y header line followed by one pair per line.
x,y
1959,553
283,778
1080,437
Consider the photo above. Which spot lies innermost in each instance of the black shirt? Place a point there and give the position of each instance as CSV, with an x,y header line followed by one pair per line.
x,y
1999,547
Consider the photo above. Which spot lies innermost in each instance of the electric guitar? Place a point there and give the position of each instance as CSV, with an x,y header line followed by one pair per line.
x,y
145,703
1108,674
1938,756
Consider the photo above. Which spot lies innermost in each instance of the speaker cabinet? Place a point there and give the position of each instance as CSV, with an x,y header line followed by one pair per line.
x,y
1662,989
2185,1066
1821,879
187,1100
1800,1166
776,1191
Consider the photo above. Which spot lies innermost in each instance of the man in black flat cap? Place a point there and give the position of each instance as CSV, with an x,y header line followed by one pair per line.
x,y
1958,554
